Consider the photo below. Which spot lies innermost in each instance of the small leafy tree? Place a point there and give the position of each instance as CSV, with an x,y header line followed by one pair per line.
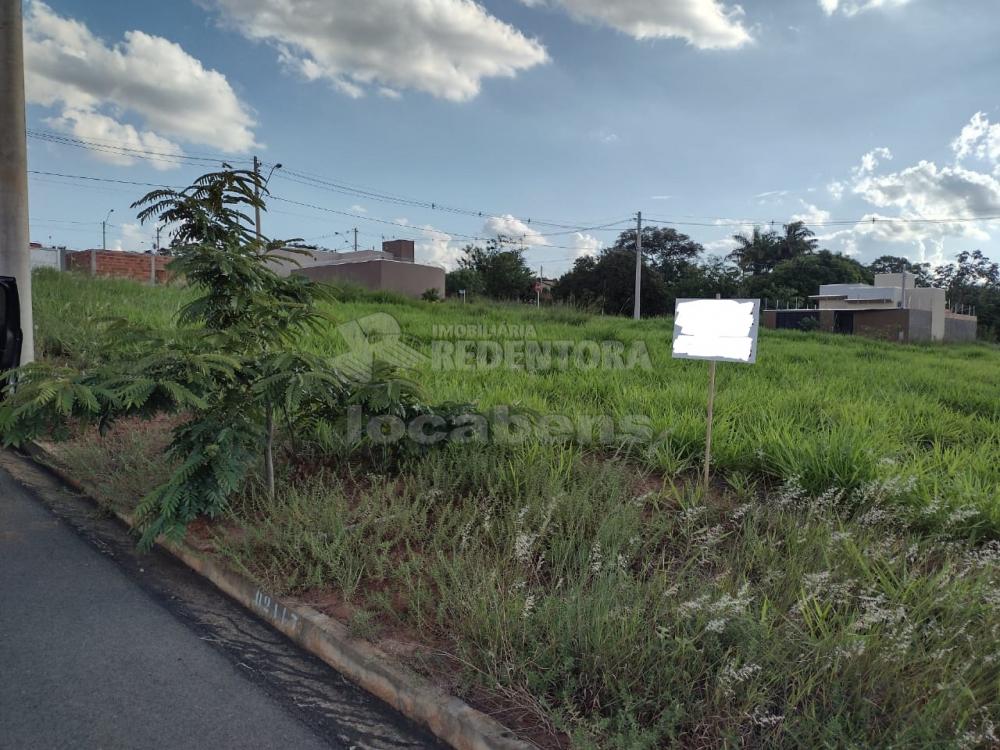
x,y
501,269
231,367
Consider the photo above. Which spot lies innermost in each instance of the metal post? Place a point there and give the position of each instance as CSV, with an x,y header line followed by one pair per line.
x,y
355,239
636,312
15,242
711,412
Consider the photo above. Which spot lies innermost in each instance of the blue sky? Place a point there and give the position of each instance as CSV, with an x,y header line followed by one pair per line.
x,y
575,113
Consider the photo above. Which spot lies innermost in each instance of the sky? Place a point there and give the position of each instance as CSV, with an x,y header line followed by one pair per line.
x,y
551,121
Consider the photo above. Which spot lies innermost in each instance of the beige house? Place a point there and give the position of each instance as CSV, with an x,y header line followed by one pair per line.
x,y
390,269
894,308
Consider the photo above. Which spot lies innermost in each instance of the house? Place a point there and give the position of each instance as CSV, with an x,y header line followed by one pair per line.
x,y
894,308
392,268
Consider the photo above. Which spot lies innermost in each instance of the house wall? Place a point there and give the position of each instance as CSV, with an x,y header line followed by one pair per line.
x,y
120,265
896,279
921,326
933,301
960,328
887,325
410,279
47,257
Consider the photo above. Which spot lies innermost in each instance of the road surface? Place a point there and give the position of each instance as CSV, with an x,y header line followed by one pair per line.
x,y
101,647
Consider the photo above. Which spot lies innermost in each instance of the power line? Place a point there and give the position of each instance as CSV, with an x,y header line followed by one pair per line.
x,y
102,179
118,148
308,179
301,177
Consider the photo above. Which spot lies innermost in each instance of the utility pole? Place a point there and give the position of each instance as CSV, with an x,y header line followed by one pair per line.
x,y
152,258
355,239
15,242
104,243
269,439
636,313
538,289
256,194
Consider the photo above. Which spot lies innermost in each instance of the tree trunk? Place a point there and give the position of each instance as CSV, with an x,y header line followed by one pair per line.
x,y
269,453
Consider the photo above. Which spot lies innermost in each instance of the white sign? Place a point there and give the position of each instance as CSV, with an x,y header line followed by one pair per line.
x,y
724,330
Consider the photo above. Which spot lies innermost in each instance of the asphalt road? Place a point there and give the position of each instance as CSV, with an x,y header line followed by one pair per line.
x,y
101,647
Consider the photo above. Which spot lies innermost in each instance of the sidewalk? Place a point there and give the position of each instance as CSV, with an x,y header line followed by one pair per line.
x,y
104,648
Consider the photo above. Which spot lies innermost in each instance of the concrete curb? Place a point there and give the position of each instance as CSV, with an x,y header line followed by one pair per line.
x,y
450,719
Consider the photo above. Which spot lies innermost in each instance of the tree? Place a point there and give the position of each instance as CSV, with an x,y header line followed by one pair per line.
x,y
502,271
756,253
607,283
797,240
666,249
973,281
759,252
231,367
800,277
899,264
463,278
704,279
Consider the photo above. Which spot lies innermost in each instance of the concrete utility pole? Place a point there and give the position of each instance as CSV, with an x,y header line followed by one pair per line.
x,y
104,243
355,239
15,242
638,265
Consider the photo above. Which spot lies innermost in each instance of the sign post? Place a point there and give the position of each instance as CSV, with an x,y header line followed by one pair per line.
x,y
717,330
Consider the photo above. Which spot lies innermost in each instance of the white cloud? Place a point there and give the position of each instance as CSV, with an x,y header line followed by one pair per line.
x,y
852,8
979,138
836,189
660,197
585,244
438,248
515,229
926,191
871,161
91,125
131,238
359,209
812,214
441,47
94,84
924,204
705,24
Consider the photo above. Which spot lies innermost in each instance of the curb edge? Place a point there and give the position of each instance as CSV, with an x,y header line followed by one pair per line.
x,y
449,718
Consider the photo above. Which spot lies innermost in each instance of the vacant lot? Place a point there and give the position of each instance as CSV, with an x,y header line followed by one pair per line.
x,y
836,587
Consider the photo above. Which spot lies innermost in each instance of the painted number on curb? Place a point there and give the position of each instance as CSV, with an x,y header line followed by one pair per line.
x,y
276,611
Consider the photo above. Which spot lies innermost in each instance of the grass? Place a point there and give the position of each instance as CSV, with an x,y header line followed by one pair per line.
x,y
837,587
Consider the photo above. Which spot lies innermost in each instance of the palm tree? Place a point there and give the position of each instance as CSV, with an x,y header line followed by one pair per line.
x,y
798,240
756,253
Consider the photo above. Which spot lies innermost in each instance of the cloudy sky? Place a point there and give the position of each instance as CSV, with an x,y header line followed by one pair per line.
x,y
876,121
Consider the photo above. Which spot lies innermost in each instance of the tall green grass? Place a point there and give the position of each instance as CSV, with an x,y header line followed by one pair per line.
x,y
836,591
830,411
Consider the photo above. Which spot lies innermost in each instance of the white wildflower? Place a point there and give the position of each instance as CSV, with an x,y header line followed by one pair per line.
x,y
529,605
717,625
523,543
596,558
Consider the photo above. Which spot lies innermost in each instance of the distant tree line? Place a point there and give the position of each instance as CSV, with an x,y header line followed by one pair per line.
x,y
786,265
